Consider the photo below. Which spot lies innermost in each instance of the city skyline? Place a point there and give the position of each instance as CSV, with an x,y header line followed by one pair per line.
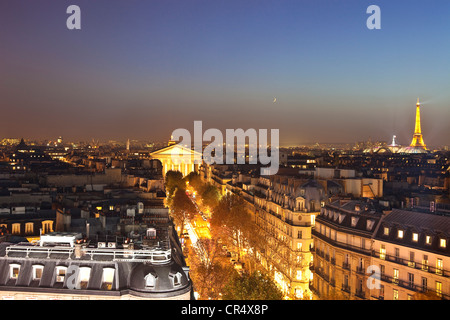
x,y
140,69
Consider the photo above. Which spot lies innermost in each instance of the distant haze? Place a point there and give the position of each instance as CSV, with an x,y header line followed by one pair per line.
x,y
140,69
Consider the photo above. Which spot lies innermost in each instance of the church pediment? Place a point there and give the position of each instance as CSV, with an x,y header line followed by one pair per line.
x,y
174,150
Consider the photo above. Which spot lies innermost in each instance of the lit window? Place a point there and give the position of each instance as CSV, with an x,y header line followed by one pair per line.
x,y
439,266
395,295
396,273
37,272
439,288
108,277
14,271
443,243
382,252
15,228
400,234
386,231
428,239
415,237
83,277
29,228
299,275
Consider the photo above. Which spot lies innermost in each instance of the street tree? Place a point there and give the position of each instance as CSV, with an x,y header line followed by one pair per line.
x,y
182,208
253,286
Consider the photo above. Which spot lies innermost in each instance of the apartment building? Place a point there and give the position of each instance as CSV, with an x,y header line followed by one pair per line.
x,y
365,251
343,243
411,250
283,209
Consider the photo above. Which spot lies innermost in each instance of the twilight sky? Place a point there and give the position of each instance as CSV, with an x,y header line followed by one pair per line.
x,y
139,69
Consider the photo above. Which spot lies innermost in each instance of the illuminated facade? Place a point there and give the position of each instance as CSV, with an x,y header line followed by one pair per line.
x,y
417,140
417,143
177,158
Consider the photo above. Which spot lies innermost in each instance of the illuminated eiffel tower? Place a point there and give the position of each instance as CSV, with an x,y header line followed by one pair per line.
x,y
417,140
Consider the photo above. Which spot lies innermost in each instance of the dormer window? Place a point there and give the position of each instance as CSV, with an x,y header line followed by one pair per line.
x,y
386,231
443,243
354,221
83,277
369,224
335,216
37,272
428,239
177,279
150,280
60,273
400,234
14,270
107,278
341,217
415,237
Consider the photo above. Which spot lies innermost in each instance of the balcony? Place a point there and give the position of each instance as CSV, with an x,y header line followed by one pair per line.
x,y
346,265
360,293
333,261
346,288
412,264
360,270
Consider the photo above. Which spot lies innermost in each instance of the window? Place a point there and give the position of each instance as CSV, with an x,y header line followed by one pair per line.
x,y
386,231
29,228
439,266
60,273
397,254
14,271
354,221
370,224
299,234
428,239
395,295
415,237
345,283
424,284
382,252
443,243
47,226
15,228
37,272
425,262
411,279
299,246
83,277
107,279
299,275
411,262
150,280
177,279
439,288
400,234
396,276
382,291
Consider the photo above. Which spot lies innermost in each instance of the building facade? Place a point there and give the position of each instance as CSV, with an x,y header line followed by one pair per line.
x,y
365,251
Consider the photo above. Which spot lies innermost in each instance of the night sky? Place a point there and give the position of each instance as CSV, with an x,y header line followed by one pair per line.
x,y
139,69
